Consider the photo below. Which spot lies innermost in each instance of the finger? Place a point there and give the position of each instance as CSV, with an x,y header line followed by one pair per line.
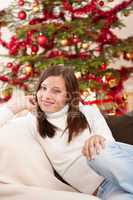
x,y
85,149
92,150
102,142
99,143
97,146
32,100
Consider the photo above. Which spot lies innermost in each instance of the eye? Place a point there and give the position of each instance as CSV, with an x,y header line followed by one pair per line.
x,y
56,91
43,88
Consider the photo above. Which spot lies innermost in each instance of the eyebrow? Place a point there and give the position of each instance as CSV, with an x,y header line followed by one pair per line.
x,y
55,87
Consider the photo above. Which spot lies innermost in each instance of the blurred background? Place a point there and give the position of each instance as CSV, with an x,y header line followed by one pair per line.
x,y
94,37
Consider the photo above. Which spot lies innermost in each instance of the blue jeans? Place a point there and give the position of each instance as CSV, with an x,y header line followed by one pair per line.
x,y
115,164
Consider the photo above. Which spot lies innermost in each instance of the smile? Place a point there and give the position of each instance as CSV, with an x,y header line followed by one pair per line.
x,y
47,103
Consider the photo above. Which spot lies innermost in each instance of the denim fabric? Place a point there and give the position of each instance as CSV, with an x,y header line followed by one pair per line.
x,y
115,164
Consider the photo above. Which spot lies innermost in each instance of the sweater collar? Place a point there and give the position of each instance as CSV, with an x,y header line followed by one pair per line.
x,y
58,114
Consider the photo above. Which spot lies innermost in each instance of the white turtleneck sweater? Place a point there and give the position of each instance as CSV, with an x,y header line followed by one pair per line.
x,y
66,157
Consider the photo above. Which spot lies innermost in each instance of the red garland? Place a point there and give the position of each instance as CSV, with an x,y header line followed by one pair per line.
x,y
90,7
83,10
98,102
113,11
4,78
114,92
67,6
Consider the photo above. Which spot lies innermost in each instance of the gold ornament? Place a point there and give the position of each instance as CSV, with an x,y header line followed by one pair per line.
x,y
129,56
28,69
85,94
125,97
78,74
85,45
113,83
127,13
36,8
64,42
7,92
108,75
118,54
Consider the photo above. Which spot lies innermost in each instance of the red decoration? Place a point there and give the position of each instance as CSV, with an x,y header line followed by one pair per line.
x,y
103,66
15,69
42,40
9,64
34,48
75,40
21,2
101,3
54,53
13,50
79,1
4,78
22,15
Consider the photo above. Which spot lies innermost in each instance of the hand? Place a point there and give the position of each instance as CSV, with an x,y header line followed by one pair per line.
x,y
20,102
30,103
93,146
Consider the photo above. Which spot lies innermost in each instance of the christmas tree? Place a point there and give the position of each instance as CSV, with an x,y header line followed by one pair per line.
x,y
72,33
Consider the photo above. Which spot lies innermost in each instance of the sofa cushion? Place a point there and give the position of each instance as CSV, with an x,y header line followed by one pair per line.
x,y
121,127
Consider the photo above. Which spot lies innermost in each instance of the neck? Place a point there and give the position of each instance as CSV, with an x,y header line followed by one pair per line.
x,y
58,119
57,114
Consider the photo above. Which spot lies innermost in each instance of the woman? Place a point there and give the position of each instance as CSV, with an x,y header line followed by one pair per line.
x,y
68,129
25,172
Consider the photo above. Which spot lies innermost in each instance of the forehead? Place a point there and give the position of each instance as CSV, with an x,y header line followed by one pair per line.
x,y
54,81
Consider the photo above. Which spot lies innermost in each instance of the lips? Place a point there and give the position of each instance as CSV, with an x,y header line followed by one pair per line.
x,y
47,103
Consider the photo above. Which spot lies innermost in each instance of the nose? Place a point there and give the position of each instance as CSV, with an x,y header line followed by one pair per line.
x,y
46,95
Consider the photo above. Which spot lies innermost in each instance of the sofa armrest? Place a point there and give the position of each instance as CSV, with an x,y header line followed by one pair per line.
x,y
121,127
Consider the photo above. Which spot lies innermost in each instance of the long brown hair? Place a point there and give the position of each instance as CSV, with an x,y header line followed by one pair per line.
x,y
76,121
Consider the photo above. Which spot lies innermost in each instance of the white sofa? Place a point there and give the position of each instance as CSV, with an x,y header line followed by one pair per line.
x,y
25,172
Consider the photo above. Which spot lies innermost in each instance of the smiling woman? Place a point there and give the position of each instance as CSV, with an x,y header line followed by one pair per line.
x,y
75,138
25,171
52,94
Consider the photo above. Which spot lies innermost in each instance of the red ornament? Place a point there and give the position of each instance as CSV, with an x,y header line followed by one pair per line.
x,y
101,3
4,78
9,64
54,53
75,39
22,15
21,2
34,48
103,66
78,1
42,40
13,50
15,69
23,44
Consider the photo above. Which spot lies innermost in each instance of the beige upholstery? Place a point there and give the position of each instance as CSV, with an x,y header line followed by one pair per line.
x,y
25,172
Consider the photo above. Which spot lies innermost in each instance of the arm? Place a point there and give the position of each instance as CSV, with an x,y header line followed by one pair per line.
x,y
15,105
99,125
96,122
100,132
5,115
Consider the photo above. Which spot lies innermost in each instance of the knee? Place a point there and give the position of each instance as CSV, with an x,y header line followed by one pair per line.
x,y
105,157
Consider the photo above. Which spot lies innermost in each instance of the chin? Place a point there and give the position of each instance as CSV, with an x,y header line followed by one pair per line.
x,y
48,110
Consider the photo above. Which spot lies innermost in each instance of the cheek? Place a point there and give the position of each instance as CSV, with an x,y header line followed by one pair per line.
x,y
62,99
38,95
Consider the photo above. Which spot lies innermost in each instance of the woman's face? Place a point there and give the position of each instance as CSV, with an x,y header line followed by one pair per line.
x,y
52,94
